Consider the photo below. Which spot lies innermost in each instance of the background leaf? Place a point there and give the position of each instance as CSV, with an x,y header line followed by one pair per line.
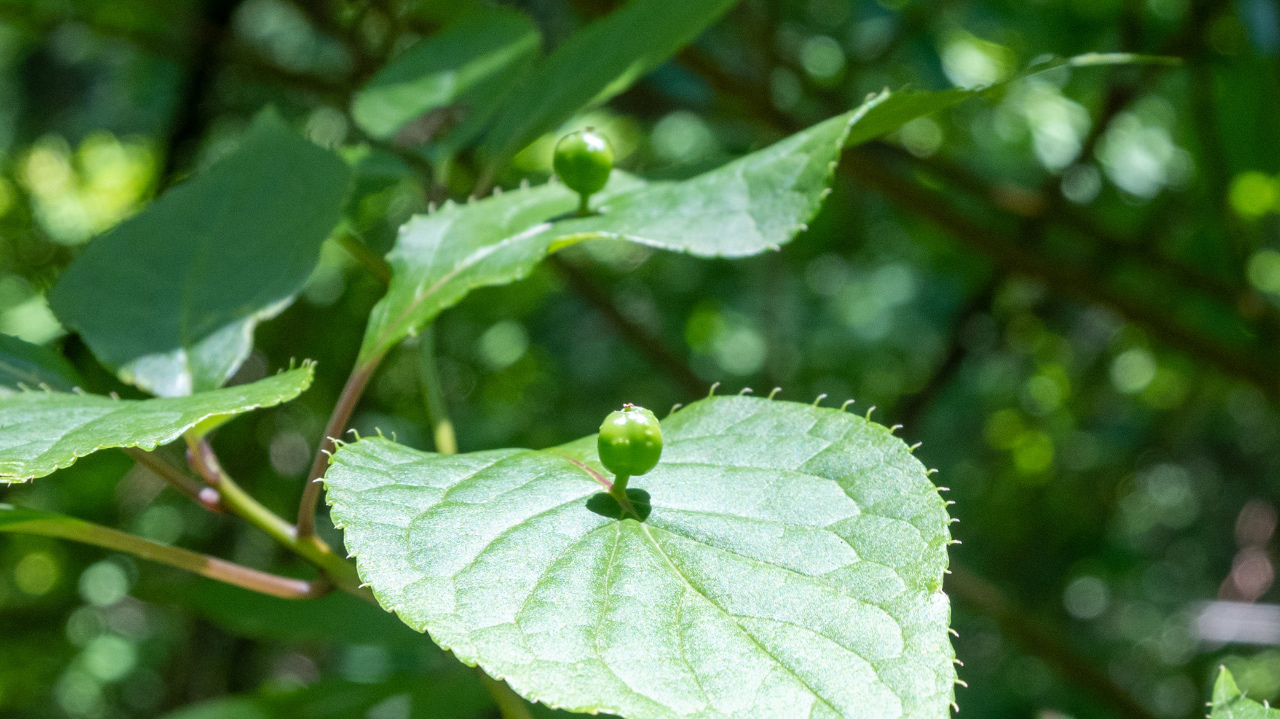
x,y
170,297
474,63
791,566
598,62
456,695
25,364
44,431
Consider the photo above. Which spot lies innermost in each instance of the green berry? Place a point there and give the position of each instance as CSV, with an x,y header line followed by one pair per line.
x,y
630,441
583,161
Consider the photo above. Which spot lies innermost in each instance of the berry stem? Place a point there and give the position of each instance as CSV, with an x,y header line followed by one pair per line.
x,y
584,210
619,492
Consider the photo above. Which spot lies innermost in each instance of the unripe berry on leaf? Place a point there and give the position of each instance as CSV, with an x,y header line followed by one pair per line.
x,y
583,161
630,441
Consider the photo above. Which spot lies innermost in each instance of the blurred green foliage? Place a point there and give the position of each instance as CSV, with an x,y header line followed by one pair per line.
x,y
1069,290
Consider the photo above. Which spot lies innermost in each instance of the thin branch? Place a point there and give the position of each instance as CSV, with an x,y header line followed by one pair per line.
x,y
910,411
446,440
1008,254
645,341
89,533
347,402
206,497
985,598
204,461
360,252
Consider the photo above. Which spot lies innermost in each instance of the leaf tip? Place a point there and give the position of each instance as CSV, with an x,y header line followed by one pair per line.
x,y
675,407
775,391
745,390
869,411
846,404
818,399
714,387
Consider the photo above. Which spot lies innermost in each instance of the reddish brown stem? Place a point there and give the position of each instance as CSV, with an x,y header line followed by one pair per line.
x,y
347,402
206,497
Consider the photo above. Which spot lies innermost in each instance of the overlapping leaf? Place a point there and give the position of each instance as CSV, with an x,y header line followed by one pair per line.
x,y
474,63
44,431
790,566
597,63
170,297
1229,703
23,364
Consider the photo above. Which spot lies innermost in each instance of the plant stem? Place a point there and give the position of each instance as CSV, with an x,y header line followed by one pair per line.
x,y
375,264
206,497
347,402
584,210
446,441
510,704
310,547
88,533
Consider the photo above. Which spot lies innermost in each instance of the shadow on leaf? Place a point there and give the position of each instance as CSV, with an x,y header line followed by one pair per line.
x,y
605,505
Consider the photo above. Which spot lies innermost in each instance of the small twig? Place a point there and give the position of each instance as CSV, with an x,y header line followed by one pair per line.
x,y
640,337
370,260
985,598
206,497
204,461
446,441
347,402
909,412
229,572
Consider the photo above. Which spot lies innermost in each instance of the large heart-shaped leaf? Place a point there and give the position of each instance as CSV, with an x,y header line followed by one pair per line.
x,y
1229,703
44,431
474,62
170,297
23,364
790,565
596,64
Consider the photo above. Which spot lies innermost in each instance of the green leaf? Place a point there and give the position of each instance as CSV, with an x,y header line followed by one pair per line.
x,y
44,431
170,297
23,364
755,203
598,62
440,257
1229,703
455,695
474,62
790,565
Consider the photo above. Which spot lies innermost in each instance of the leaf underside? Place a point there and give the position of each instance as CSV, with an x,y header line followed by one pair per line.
x,y
41,432
791,566
170,297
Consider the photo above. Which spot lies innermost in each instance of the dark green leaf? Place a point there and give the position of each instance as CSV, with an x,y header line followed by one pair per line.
x,y
474,62
44,431
791,566
23,364
597,63
170,297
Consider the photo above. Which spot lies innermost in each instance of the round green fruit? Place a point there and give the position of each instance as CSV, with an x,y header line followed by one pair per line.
x,y
583,161
630,441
